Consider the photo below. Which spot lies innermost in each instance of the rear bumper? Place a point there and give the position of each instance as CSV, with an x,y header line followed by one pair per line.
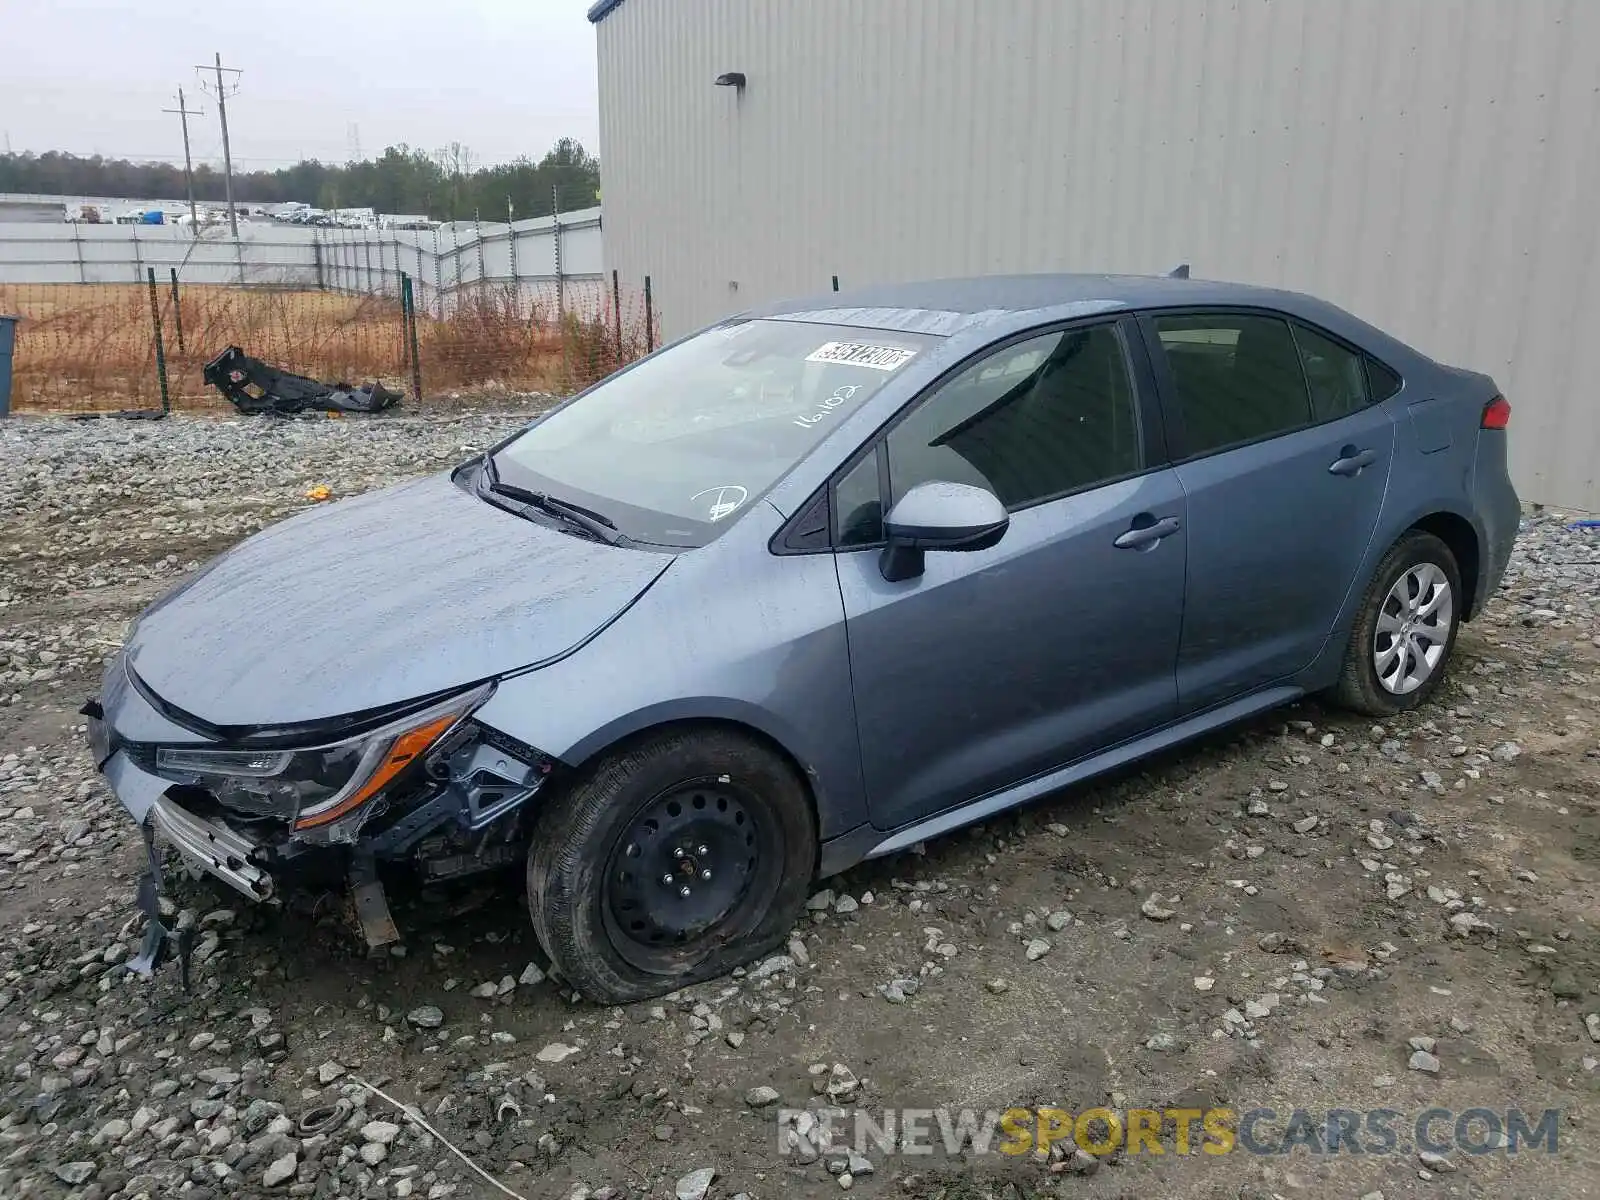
x,y
1498,513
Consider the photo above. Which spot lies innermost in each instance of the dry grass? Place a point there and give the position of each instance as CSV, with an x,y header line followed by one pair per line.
x,y
92,346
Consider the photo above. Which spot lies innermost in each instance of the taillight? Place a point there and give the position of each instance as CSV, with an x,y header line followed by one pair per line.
x,y
1496,413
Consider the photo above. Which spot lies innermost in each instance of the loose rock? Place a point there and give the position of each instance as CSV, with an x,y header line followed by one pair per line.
x,y
695,1184
382,1132
1156,909
280,1170
426,1017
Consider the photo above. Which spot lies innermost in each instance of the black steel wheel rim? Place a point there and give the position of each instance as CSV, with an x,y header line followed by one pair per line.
x,y
695,867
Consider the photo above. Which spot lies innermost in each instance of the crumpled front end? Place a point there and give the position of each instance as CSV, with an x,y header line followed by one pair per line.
x,y
268,810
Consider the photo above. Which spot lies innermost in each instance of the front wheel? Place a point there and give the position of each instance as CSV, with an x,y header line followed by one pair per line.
x,y
670,861
1404,630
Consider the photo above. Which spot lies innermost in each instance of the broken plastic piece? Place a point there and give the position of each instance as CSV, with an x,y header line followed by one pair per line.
x,y
253,387
157,935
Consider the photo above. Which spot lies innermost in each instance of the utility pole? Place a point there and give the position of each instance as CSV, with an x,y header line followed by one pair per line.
x,y
188,166
224,90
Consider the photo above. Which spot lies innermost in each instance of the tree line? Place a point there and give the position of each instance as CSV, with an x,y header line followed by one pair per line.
x,y
447,184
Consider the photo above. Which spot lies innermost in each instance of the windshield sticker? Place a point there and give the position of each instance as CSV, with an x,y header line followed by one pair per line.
x,y
859,354
720,501
824,407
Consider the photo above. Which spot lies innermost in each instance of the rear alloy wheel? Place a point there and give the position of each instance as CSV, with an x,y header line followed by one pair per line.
x,y
1414,625
1405,629
669,862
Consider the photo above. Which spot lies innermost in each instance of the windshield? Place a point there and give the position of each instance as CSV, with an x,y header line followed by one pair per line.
x,y
684,442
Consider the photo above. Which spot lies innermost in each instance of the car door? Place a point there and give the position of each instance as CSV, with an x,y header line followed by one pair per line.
x,y
995,665
1284,462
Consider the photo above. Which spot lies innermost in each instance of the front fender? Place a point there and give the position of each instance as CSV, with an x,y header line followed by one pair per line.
x,y
732,633
688,709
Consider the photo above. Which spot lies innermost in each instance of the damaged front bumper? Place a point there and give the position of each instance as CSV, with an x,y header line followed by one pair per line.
x,y
212,847
209,846
457,810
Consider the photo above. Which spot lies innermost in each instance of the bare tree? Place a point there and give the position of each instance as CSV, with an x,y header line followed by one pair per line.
x,y
458,162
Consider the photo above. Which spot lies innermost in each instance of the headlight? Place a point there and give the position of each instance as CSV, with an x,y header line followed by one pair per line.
x,y
316,786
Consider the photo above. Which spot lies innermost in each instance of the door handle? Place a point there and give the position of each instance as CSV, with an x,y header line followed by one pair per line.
x,y
1351,461
1140,537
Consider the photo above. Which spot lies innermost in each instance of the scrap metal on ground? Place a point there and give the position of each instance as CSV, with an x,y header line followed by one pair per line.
x,y
254,387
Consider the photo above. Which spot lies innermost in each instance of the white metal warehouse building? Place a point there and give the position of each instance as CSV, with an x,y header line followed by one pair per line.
x,y
1431,165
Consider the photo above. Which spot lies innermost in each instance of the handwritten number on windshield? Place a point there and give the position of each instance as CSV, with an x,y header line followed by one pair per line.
x,y
839,397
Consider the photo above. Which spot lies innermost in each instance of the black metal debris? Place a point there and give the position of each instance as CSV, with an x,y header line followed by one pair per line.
x,y
253,387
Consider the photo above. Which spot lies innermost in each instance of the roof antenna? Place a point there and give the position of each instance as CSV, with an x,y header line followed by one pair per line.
x,y
1181,271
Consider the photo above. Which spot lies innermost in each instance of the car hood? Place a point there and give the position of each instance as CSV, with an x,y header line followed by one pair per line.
x,y
370,602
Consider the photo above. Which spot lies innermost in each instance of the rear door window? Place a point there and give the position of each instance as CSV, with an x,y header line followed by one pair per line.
x,y
1237,378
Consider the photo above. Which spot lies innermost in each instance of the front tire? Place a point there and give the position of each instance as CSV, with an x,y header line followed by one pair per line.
x,y
1405,629
670,861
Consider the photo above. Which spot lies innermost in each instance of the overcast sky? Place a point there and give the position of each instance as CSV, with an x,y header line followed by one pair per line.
x,y
505,77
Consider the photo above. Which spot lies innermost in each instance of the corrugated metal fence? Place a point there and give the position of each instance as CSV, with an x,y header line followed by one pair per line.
x,y
289,256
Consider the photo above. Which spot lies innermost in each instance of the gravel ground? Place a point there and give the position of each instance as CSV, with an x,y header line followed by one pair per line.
x,y
1310,912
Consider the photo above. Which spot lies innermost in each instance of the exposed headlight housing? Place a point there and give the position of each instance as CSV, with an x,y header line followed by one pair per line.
x,y
318,787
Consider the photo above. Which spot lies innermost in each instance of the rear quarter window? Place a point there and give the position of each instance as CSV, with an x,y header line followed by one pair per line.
x,y
1335,374
1381,381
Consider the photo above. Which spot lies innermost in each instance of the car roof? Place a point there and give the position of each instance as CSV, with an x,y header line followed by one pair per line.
x,y
948,307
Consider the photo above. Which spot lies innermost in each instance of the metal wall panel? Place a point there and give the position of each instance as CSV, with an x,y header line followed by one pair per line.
x,y
1432,165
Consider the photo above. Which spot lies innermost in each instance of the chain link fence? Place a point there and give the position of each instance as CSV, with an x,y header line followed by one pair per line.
x,y
105,347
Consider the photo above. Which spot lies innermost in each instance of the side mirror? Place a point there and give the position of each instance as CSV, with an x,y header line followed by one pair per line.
x,y
939,516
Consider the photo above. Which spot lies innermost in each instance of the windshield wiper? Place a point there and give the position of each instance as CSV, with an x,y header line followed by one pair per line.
x,y
595,524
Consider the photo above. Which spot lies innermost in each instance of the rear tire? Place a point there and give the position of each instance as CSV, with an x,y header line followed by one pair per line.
x,y
670,861
1405,629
